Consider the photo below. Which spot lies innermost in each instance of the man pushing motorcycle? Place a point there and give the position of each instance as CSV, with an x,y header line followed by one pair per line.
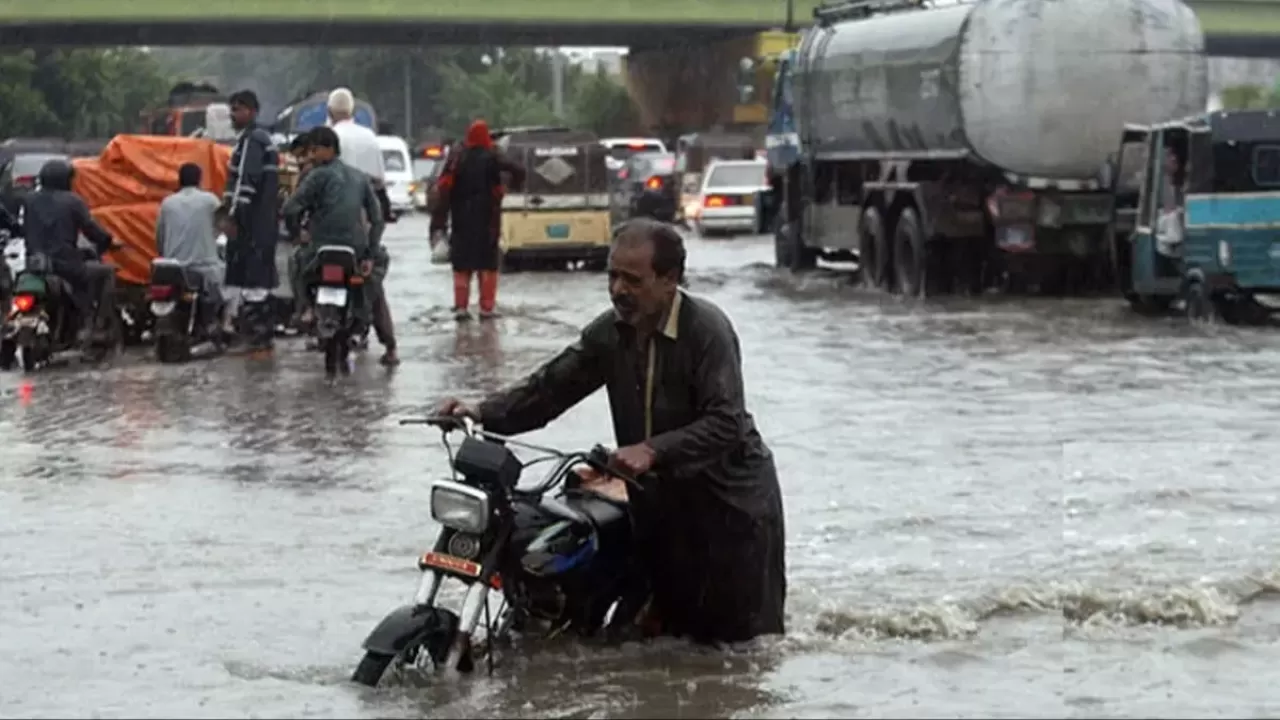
x,y
712,510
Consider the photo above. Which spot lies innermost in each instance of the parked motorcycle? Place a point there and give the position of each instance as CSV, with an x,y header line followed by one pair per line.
x,y
186,316
339,296
558,563
43,322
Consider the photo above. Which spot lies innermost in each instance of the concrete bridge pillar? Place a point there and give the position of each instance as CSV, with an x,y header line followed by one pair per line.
x,y
686,88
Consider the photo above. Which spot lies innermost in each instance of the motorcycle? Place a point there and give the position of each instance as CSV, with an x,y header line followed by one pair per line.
x,y
558,563
13,259
43,322
338,293
186,317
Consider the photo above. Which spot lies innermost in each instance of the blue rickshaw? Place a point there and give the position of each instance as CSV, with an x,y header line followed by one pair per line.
x,y
1197,215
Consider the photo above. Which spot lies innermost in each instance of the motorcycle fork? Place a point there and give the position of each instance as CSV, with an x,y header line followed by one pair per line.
x,y
476,600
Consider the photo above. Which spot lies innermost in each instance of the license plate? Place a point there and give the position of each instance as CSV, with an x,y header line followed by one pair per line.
x,y
441,561
331,296
558,231
160,309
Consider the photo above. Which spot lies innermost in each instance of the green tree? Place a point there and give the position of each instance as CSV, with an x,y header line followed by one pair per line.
x,y
1245,97
77,93
496,94
601,104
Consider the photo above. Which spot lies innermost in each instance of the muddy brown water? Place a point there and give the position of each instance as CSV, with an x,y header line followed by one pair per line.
x,y
995,508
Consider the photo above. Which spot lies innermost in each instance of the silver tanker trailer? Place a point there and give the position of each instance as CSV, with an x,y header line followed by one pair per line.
x,y
970,146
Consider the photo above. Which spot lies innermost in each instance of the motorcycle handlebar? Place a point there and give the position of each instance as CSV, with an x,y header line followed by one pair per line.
x,y
598,458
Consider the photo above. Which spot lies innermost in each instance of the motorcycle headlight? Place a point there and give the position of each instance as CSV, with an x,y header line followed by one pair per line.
x,y
460,507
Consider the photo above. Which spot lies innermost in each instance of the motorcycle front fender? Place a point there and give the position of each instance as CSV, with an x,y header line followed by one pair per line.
x,y
407,624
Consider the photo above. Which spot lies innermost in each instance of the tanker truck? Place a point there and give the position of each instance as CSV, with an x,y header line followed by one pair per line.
x,y
971,146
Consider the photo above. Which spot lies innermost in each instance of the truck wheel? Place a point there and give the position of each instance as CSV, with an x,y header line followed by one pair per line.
x,y
874,255
910,255
1201,306
801,257
781,245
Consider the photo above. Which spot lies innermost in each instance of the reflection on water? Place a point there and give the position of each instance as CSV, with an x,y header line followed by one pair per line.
x,y
981,493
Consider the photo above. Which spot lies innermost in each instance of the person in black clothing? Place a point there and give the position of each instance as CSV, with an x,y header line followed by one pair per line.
x,y
710,520
54,218
251,199
8,222
469,201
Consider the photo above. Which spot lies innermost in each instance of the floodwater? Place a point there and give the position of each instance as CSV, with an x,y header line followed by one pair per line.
x,y
999,508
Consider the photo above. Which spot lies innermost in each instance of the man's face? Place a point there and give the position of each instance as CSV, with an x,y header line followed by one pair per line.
x,y
637,293
321,154
241,116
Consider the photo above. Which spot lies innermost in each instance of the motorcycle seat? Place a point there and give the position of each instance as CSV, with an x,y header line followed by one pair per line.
x,y
580,505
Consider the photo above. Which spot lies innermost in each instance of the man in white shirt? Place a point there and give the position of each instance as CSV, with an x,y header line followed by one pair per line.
x,y
359,144
359,149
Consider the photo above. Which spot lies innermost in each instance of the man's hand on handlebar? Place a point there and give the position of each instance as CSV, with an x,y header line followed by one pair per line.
x,y
456,408
634,459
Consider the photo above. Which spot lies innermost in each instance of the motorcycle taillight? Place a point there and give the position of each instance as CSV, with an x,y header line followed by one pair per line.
x,y
332,274
24,303
161,292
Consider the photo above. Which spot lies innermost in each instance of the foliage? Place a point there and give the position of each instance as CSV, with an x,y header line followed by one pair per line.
x,y
447,87
97,93
601,104
1249,97
78,93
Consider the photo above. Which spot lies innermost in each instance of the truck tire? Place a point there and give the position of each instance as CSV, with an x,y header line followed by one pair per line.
x,y
875,257
789,246
910,255
781,246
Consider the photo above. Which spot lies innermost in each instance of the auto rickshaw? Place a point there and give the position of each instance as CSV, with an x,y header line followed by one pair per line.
x,y
694,152
561,216
1197,214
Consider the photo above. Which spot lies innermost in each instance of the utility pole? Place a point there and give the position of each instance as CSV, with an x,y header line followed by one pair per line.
x,y
791,17
408,99
557,84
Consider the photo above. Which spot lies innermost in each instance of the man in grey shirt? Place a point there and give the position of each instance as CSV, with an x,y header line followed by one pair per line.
x,y
185,229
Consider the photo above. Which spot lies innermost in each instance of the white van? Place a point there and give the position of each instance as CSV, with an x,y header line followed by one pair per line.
x,y
398,164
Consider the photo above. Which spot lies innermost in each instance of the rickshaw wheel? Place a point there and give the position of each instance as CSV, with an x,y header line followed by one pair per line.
x,y
1200,303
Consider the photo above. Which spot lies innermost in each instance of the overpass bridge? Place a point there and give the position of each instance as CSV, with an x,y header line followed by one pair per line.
x,y
682,69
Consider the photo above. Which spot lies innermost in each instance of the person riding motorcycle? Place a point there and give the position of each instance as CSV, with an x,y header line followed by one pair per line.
x,y
336,198
8,225
54,218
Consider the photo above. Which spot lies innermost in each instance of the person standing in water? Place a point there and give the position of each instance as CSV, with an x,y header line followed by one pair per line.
x,y
470,193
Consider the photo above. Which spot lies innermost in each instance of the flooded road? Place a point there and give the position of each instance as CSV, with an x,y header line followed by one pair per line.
x,y
999,508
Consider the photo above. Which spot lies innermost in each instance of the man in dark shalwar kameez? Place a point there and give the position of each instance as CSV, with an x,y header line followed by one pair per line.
x,y
251,200
712,527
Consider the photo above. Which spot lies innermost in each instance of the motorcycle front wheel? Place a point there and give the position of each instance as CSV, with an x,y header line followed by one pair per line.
x,y
374,665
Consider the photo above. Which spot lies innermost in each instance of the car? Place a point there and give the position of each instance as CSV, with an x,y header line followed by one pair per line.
x,y
622,148
646,188
428,164
399,173
726,198
18,177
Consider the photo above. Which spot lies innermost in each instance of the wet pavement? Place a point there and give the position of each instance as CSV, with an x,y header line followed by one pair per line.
x,y
995,508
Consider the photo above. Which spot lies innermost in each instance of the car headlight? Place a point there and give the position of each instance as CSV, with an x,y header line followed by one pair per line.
x,y
460,507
